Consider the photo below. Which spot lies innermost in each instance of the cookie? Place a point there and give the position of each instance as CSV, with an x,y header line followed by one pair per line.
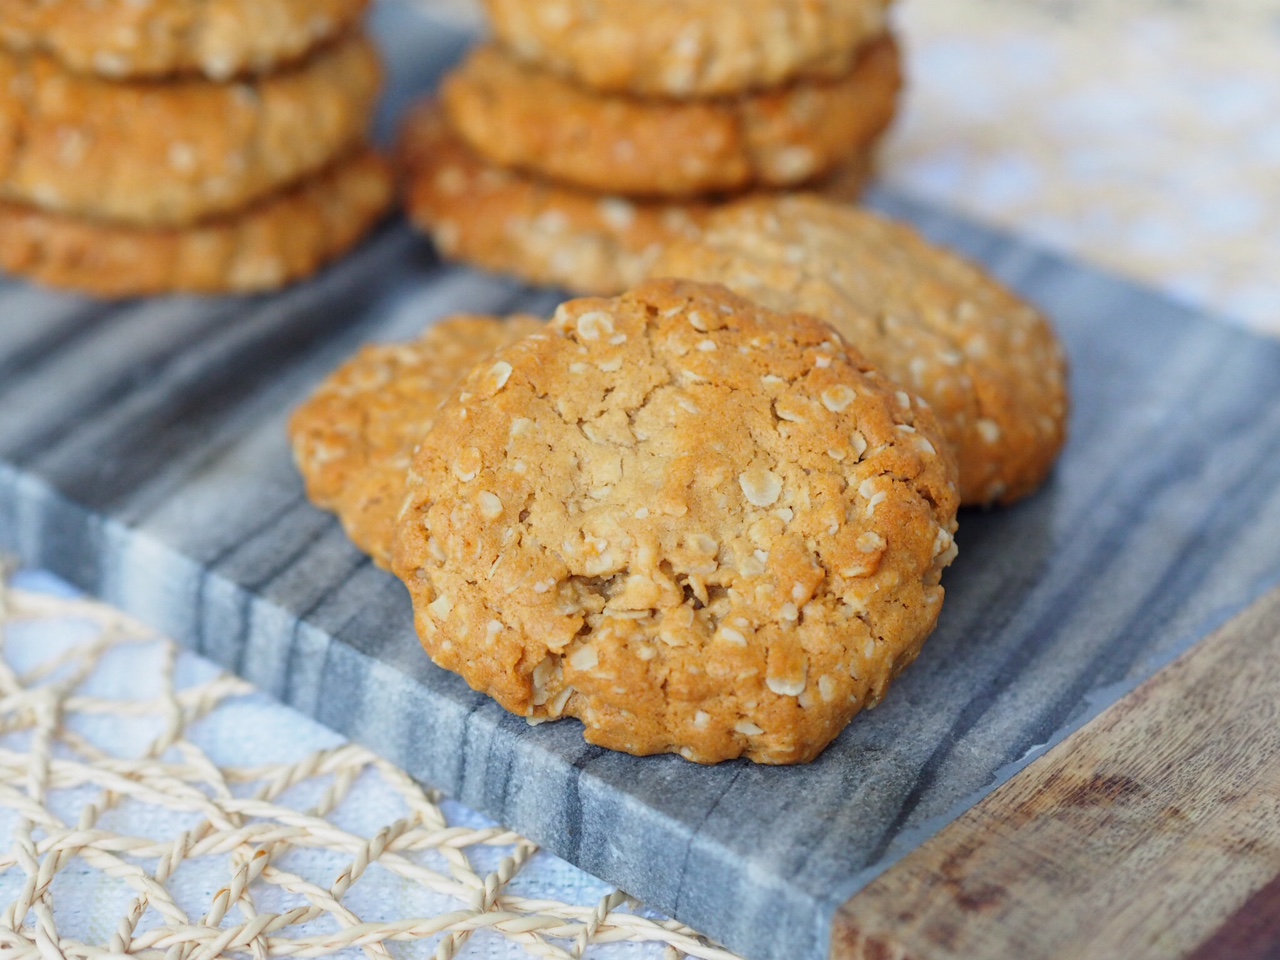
x,y
989,364
218,38
276,242
354,437
507,222
175,153
688,48
519,116
697,525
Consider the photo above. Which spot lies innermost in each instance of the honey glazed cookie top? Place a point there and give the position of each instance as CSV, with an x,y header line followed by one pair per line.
x,y
694,524
153,38
174,153
533,120
688,49
989,364
354,438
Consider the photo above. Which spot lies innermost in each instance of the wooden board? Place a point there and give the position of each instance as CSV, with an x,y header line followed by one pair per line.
x,y
1152,832
143,456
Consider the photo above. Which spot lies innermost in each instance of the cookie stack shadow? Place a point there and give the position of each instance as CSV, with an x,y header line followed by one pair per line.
x,y
172,147
587,136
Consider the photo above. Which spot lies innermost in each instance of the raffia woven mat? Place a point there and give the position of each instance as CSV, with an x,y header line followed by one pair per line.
x,y
132,834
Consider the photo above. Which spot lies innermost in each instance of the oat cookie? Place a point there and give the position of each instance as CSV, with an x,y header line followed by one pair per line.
x,y
174,153
529,119
504,221
507,222
688,48
276,242
219,38
696,525
354,437
991,367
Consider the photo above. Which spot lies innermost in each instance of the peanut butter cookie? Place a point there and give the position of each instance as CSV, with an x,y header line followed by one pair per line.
x,y
989,364
175,153
688,48
219,38
508,222
529,119
696,525
276,242
354,437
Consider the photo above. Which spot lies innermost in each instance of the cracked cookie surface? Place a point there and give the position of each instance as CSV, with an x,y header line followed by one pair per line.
x,y
988,363
694,524
688,48
353,439
176,153
501,220
529,119
278,241
219,38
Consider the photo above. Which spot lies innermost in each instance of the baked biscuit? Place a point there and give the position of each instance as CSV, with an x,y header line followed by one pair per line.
x,y
696,525
276,242
174,153
688,48
990,365
529,119
504,221
219,38
354,437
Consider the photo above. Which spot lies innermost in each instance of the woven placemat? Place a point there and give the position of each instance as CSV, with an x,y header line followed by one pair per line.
x,y
140,827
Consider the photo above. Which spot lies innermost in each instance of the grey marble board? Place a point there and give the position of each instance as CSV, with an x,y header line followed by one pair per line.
x,y
142,456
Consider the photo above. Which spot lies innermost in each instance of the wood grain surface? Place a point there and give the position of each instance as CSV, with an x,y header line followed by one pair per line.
x,y
1152,832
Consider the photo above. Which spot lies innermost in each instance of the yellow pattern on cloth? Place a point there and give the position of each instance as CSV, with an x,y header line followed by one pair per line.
x,y
131,836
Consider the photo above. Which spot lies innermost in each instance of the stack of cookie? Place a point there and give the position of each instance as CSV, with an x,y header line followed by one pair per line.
x,y
592,132
175,146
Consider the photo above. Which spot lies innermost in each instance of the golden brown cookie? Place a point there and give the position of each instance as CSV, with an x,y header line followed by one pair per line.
x,y
696,525
532,120
355,436
219,38
278,241
991,366
505,221
174,153
688,48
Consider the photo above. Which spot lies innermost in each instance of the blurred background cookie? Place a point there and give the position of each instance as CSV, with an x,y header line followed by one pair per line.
x,y
218,38
135,159
688,48
530,119
176,152
281,239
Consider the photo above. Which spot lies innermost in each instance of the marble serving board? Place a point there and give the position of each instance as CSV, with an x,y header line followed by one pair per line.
x,y
143,456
